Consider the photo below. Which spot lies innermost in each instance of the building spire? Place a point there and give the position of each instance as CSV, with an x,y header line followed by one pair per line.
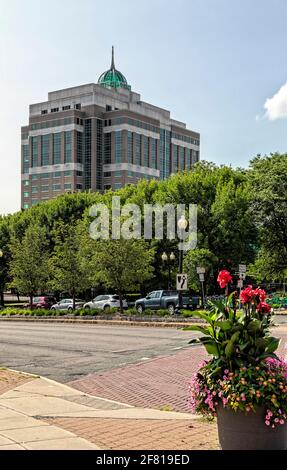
x,y
113,59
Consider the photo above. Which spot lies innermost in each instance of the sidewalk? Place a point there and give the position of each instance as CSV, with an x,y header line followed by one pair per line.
x,y
37,413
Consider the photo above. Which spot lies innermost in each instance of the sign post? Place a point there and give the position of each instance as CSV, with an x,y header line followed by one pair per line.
x,y
201,271
242,275
181,281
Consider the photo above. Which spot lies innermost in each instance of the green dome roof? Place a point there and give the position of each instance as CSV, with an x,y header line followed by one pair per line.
x,y
112,78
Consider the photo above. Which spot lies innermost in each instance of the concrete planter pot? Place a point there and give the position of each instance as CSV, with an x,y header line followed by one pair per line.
x,y
240,431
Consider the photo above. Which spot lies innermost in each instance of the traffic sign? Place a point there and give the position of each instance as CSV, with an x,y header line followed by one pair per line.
x,y
181,281
200,270
242,268
242,275
201,277
240,284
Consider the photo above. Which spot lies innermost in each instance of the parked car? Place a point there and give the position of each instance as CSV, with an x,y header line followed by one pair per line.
x,y
67,304
43,301
164,299
105,302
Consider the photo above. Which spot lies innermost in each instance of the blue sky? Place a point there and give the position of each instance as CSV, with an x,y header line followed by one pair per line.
x,y
213,63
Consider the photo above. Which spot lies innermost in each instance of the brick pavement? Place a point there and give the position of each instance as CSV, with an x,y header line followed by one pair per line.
x,y
143,434
10,380
156,383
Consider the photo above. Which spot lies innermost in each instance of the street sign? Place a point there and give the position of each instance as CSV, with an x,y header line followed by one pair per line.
x,y
242,275
240,284
242,268
181,281
200,270
201,277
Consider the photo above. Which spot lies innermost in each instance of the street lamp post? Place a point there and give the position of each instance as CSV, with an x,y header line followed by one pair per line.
x,y
182,225
168,259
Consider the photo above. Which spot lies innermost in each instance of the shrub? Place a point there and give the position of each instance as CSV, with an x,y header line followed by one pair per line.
x,y
162,313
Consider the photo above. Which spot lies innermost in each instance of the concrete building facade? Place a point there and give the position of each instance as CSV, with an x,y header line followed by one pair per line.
x,y
100,136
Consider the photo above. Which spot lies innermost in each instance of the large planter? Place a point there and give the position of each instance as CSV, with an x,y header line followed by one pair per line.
x,y
240,431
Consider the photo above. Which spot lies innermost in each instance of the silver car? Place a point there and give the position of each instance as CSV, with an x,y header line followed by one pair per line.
x,y
105,302
67,304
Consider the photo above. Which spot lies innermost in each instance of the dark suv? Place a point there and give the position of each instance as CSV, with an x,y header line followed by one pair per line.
x,y
43,301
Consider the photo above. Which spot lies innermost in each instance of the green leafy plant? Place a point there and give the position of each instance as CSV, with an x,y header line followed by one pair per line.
x,y
244,372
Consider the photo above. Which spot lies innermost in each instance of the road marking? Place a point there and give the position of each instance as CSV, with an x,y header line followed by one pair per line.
x,y
144,358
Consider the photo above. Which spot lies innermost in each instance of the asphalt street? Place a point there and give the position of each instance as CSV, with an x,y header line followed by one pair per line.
x,y
66,352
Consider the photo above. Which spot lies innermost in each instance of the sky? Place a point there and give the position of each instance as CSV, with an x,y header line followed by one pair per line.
x,y
218,65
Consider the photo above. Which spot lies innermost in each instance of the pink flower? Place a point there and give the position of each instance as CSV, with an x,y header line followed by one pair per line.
x,y
267,423
224,278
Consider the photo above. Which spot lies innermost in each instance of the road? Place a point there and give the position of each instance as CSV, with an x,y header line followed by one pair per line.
x,y
65,352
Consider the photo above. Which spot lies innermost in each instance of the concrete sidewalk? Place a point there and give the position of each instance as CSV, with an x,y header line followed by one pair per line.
x,y
43,414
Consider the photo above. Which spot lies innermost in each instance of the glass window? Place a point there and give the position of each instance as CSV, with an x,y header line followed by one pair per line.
x,y
79,173
57,174
45,149
45,175
57,139
118,146
34,177
26,158
153,153
79,147
26,183
34,151
34,189
34,202
56,187
68,146
107,174
79,186
130,147
45,188
118,174
68,173
138,141
67,186
26,194
182,158
108,148
118,185
146,150
26,206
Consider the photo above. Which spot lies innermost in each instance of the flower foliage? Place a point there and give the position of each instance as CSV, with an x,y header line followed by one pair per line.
x,y
244,372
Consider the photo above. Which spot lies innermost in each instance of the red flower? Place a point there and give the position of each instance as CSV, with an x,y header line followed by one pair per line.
x,y
260,293
263,307
224,278
246,295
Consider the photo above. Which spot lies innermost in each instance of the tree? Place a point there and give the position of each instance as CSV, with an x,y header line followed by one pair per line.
x,y
268,187
29,263
199,258
69,270
122,264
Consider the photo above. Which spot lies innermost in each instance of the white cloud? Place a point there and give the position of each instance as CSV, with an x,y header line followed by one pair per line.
x,y
276,107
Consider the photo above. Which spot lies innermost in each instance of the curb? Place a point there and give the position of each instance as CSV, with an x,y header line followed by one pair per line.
x,y
158,324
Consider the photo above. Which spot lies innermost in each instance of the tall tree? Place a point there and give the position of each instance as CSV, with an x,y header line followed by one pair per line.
x,y
29,263
122,264
268,186
69,270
